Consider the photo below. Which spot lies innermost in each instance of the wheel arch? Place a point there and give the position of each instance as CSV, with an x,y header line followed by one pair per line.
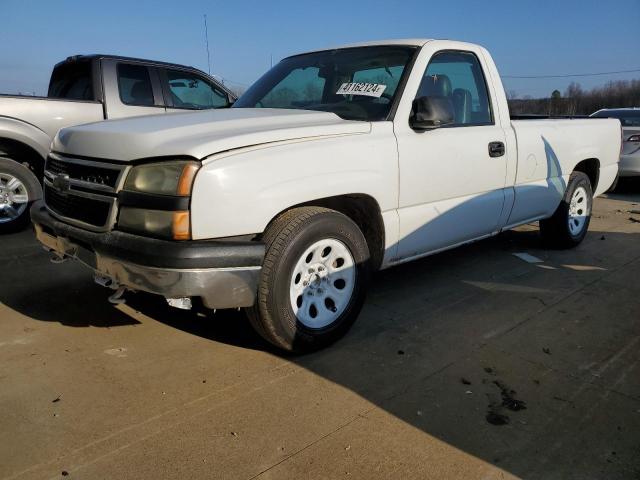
x,y
365,212
23,153
591,168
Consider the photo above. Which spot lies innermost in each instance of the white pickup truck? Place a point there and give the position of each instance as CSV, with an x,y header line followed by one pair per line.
x,y
334,164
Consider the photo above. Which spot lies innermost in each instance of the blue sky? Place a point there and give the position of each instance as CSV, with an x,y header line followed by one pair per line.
x,y
525,37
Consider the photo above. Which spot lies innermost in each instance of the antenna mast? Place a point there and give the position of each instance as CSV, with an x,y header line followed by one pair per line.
x,y
206,40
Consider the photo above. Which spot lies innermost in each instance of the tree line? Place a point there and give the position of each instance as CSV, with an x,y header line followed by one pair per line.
x,y
576,101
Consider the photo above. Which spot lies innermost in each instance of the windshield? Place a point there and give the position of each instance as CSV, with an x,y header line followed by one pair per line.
x,y
354,83
628,118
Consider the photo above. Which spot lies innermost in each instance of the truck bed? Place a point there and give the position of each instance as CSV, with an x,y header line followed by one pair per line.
x,y
49,114
548,150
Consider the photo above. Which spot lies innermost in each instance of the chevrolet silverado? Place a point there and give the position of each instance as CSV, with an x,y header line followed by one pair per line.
x,y
334,164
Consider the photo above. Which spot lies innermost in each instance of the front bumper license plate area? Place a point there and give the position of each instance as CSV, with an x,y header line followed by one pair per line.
x,y
65,247
218,287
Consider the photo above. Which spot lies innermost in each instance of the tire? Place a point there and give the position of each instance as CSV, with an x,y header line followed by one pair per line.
x,y
19,188
569,224
316,261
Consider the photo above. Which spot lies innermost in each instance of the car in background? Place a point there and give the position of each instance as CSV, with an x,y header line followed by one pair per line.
x,y
630,121
84,89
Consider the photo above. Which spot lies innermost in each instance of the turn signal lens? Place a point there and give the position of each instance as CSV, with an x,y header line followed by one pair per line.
x,y
186,179
181,226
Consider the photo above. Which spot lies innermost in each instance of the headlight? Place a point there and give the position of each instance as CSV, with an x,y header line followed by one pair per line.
x,y
166,178
155,202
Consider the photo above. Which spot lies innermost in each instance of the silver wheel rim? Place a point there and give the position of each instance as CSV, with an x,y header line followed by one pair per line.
x,y
14,197
578,211
322,283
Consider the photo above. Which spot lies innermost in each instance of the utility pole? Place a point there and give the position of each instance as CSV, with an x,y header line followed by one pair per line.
x,y
206,40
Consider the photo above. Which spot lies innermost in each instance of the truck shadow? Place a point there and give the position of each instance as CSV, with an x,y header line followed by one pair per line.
x,y
626,186
33,286
473,347
435,329
446,345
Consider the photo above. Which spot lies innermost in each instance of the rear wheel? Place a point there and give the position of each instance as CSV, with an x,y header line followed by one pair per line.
x,y
569,224
313,280
18,189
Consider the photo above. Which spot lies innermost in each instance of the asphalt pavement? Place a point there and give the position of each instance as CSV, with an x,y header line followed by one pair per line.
x,y
475,363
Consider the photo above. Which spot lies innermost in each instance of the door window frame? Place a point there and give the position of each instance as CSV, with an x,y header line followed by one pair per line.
x,y
153,78
166,91
492,122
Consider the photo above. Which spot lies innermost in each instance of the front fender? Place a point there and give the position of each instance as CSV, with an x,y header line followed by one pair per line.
x,y
25,133
240,193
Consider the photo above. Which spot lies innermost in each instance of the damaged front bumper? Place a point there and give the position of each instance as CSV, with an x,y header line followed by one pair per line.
x,y
224,274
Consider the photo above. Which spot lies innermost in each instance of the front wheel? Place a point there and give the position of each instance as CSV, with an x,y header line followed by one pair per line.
x,y
18,189
313,280
569,224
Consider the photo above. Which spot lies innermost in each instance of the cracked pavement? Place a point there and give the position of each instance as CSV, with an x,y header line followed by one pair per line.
x,y
92,390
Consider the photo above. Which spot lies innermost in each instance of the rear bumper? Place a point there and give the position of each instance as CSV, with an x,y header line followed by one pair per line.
x,y
224,274
630,165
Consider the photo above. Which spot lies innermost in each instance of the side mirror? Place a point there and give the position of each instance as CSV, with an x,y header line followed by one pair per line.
x,y
431,112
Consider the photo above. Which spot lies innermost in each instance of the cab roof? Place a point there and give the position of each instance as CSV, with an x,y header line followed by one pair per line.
x,y
100,56
411,42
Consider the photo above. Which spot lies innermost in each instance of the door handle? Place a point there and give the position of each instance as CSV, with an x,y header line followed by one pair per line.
x,y
496,149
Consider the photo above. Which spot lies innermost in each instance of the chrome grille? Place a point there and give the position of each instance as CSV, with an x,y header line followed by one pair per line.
x,y
83,192
86,173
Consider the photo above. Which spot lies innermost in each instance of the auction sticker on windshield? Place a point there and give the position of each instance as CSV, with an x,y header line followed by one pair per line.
x,y
367,89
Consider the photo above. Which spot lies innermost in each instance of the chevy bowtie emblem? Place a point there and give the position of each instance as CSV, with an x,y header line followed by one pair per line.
x,y
61,183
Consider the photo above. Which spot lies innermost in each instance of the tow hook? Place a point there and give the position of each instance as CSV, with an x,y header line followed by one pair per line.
x,y
105,281
118,297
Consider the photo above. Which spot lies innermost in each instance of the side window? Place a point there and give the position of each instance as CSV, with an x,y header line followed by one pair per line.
x,y
301,88
458,76
191,91
134,85
72,81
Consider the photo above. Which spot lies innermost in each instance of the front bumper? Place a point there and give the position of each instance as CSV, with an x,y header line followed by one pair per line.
x,y
630,165
224,274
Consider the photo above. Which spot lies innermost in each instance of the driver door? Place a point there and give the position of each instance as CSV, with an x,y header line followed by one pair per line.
x,y
451,187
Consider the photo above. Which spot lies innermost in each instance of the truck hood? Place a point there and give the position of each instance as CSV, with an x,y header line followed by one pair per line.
x,y
198,134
